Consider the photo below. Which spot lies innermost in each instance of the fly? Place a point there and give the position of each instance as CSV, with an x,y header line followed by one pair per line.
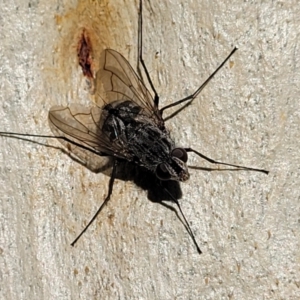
x,y
128,127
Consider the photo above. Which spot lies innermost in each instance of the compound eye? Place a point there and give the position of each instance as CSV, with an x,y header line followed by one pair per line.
x,y
162,173
180,153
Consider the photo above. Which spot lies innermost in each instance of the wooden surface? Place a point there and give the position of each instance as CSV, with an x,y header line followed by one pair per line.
x,y
247,224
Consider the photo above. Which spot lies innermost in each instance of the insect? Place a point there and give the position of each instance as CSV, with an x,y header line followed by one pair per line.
x,y
128,127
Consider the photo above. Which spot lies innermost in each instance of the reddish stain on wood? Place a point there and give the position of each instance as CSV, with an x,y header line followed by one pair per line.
x,y
84,53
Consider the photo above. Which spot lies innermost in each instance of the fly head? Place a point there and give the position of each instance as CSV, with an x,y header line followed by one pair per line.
x,y
175,167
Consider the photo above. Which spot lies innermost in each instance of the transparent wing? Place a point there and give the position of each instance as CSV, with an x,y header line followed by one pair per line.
x,y
79,130
116,80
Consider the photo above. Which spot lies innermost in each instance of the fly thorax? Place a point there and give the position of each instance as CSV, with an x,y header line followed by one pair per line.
x,y
149,144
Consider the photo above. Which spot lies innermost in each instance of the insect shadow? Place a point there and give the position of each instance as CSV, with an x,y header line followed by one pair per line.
x,y
124,135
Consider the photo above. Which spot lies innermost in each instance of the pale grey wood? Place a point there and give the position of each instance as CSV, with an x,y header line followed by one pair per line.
x,y
246,224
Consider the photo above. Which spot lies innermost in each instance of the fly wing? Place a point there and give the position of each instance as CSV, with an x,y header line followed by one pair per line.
x,y
78,129
118,81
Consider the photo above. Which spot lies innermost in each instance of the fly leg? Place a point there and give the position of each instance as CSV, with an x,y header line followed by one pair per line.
x,y
187,225
110,189
140,55
225,164
191,97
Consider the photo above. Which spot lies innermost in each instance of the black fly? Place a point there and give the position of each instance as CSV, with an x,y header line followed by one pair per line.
x,y
129,126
